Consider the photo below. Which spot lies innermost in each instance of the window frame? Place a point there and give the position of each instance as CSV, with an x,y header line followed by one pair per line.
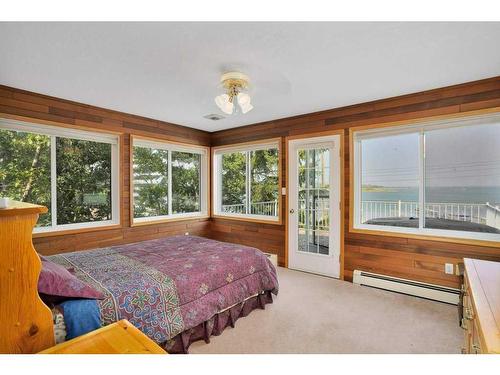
x,y
170,146
420,126
216,180
73,132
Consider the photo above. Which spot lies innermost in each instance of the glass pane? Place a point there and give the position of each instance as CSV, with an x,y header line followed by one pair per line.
x,y
83,181
314,200
150,182
25,169
233,182
264,182
390,180
462,179
186,177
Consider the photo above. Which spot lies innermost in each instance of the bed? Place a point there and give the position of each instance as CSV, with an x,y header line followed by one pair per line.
x,y
176,290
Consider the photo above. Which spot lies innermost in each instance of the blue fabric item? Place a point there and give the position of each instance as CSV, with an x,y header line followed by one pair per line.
x,y
81,316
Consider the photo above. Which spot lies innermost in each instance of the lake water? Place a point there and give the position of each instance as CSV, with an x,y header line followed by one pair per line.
x,y
474,194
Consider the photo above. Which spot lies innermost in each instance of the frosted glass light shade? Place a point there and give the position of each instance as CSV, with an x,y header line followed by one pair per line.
x,y
224,104
244,102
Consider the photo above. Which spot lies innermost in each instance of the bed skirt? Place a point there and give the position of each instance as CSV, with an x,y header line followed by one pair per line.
x,y
216,325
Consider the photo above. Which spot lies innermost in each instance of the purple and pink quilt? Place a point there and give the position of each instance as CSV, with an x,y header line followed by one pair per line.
x,y
170,285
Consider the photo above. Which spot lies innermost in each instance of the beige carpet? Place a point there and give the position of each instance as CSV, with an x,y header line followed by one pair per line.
x,y
315,314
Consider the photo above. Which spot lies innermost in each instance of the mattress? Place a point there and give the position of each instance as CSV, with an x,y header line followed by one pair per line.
x,y
172,285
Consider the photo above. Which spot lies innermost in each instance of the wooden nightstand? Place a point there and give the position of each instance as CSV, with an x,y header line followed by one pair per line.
x,y
117,338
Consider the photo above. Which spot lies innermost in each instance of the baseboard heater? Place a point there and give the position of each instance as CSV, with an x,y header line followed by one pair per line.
x,y
411,287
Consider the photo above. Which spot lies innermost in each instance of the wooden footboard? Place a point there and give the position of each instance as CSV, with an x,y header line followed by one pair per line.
x,y
26,322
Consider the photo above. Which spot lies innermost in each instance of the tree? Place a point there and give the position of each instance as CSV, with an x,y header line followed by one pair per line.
x,y
150,182
25,169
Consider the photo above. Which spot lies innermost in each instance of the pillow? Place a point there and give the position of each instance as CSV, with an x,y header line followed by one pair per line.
x,y
55,280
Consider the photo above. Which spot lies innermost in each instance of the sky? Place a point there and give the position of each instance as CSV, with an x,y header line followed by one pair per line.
x,y
462,156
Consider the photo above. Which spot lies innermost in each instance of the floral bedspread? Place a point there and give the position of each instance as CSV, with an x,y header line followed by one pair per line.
x,y
172,284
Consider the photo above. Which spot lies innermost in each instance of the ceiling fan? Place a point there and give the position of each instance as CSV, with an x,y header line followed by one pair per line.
x,y
235,98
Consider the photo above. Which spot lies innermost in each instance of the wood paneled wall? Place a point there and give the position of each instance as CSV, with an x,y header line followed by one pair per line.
x,y
409,258
53,110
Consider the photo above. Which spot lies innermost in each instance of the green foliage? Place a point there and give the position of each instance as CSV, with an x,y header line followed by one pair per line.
x,y
150,182
83,181
264,180
25,169
233,178
83,175
186,170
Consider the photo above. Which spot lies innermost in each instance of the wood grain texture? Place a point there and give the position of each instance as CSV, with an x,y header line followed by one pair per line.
x,y
413,258
20,104
482,300
26,322
118,338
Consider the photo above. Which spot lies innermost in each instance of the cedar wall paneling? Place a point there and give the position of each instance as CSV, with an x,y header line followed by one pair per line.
x,y
45,108
409,258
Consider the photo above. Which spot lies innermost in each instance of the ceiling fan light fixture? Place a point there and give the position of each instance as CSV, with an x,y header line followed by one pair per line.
x,y
235,100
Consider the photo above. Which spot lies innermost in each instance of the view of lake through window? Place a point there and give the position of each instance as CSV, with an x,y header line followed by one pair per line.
x,y
458,169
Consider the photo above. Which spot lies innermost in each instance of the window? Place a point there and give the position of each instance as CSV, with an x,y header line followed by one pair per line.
x,y
169,181
73,173
246,181
440,178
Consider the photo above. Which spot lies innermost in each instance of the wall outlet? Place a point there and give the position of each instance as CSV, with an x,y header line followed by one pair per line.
x,y
449,269
283,191
186,234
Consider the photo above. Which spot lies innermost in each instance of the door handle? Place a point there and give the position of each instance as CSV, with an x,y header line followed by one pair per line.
x,y
292,211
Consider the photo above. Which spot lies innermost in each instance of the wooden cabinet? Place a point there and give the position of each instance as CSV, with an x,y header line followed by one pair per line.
x,y
481,307
117,338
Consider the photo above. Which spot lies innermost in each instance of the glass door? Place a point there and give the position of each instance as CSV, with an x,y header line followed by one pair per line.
x,y
314,214
313,200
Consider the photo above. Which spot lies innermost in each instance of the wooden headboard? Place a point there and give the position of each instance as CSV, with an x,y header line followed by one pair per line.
x,y
25,321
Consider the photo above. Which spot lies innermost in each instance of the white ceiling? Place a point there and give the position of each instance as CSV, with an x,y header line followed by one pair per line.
x,y
170,71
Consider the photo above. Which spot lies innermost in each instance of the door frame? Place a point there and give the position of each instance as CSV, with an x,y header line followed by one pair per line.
x,y
341,135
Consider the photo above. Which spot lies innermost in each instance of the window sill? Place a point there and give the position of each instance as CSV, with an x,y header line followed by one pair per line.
x,y
61,232
250,219
441,236
153,221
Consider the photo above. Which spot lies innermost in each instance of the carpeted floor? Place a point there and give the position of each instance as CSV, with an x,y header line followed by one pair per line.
x,y
315,314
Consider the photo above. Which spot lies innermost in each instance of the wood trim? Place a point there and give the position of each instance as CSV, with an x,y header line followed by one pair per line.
x,y
168,220
243,144
131,183
340,133
35,121
279,141
76,231
381,125
249,220
170,141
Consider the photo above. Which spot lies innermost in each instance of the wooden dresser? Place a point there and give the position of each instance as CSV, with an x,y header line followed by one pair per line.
x,y
481,307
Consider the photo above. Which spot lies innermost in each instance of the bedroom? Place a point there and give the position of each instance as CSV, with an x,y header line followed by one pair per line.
x,y
250,188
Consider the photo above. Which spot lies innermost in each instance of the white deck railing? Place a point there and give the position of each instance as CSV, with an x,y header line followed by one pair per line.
x,y
258,208
471,212
480,213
